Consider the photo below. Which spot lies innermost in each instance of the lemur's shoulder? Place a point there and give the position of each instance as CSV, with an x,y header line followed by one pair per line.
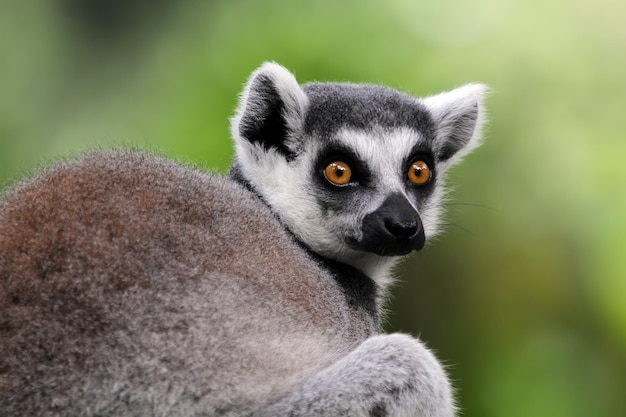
x,y
119,265
129,206
127,218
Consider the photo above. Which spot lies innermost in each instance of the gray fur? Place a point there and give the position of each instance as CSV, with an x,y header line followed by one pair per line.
x,y
333,106
131,285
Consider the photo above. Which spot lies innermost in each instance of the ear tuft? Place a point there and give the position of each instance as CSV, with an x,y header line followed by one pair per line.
x,y
459,116
271,109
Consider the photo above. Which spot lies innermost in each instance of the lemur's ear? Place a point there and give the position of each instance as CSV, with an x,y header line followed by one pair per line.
x,y
459,115
271,108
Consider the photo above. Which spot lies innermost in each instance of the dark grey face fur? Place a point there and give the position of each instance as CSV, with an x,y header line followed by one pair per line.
x,y
333,106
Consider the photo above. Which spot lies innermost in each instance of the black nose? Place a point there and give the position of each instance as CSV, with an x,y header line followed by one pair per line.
x,y
402,228
399,218
393,229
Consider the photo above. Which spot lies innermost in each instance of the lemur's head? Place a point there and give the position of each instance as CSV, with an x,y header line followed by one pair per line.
x,y
354,171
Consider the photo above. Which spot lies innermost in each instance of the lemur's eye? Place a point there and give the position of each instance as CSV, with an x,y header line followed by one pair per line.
x,y
419,173
338,173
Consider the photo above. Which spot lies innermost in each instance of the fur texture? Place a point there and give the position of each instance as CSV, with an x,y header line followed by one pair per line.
x,y
134,286
131,285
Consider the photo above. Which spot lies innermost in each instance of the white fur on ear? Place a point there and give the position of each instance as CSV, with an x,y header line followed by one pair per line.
x,y
271,107
459,116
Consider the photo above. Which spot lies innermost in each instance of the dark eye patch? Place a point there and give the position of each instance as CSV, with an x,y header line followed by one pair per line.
x,y
420,153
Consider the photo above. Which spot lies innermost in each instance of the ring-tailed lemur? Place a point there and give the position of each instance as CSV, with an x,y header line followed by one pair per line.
x,y
131,285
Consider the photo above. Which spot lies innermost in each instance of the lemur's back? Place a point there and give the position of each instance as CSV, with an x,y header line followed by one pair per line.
x,y
119,276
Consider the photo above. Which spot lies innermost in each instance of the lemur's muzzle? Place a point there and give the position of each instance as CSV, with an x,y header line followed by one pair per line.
x,y
394,229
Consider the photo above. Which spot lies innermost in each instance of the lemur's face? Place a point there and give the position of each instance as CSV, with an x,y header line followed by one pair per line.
x,y
354,171
371,189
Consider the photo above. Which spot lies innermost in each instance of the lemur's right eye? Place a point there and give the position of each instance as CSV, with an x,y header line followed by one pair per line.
x,y
419,173
338,173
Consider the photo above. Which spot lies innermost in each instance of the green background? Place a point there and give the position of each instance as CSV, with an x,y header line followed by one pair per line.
x,y
524,296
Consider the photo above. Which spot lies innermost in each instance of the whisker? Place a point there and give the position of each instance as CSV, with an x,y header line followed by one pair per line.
x,y
473,205
463,229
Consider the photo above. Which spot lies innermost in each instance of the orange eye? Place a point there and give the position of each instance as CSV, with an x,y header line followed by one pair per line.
x,y
419,173
338,173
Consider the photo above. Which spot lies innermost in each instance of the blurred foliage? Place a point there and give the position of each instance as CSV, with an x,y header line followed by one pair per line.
x,y
524,296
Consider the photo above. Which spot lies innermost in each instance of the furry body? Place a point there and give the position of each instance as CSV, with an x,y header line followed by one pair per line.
x,y
108,309
131,285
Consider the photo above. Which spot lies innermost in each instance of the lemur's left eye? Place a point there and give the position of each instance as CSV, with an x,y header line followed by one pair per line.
x,y
338,173
419,173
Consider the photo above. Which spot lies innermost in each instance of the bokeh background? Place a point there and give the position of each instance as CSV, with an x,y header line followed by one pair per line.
x,y
524,296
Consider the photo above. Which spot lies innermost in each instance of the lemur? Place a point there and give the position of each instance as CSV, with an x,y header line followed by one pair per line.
x,y
133,285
